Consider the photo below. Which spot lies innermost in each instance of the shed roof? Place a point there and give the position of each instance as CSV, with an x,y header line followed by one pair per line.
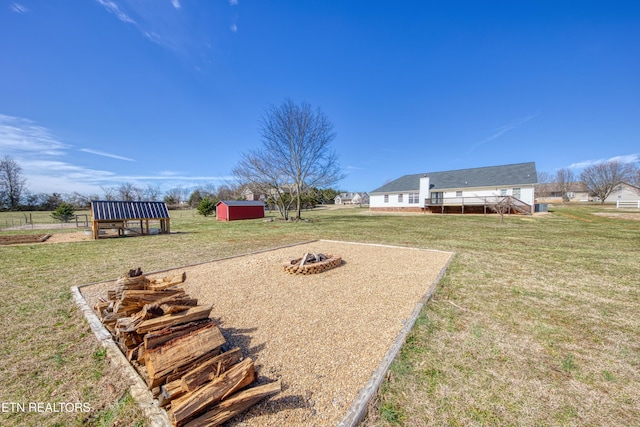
x,y
241,202
109,210
490,176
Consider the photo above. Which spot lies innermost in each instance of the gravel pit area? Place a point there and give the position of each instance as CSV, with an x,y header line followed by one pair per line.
x,y
326,336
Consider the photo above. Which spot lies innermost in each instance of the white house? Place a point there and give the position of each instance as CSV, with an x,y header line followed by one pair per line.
x,y
459,191
624,193
361,198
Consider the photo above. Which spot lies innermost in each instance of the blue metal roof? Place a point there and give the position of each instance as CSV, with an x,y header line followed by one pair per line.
x,y
110,210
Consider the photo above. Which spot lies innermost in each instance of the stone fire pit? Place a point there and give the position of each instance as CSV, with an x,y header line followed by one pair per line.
x,y
311,263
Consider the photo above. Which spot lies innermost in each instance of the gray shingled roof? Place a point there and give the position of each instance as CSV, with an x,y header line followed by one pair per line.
x,y
110,210
241,203
490,176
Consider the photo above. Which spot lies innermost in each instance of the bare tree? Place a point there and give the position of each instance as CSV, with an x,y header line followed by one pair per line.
x,y
228,191
12,183
264,173
109,192
77,200
175,196
128,191
296,152
542,187
602,178
151,192
564,179
501,205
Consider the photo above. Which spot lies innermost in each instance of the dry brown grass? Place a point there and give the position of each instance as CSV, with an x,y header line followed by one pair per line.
x,y
535,323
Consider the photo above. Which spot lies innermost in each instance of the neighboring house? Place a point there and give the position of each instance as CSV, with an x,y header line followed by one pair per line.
x,y
361,198
231,210
249,193
624,192
459,191
552,193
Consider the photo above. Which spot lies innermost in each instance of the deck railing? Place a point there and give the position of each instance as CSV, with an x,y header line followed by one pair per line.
x,y
516,204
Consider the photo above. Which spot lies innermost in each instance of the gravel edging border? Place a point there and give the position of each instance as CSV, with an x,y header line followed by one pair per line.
x,y
158,416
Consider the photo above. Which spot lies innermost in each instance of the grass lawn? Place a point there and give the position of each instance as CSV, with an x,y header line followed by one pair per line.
x,y
535,323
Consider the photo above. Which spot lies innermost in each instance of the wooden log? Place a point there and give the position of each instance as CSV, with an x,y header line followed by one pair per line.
x,y
190,315
181,351
304,259
178,373
167,282
158,338
142,297
192,404
213,367
177,306
234,405
170,391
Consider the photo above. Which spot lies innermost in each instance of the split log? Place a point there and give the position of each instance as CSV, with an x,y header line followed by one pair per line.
x,y
210,369
190,405
200,373
140,297
190,315
169,392
158,338
304,259
179,372
167,282
234,405
181,351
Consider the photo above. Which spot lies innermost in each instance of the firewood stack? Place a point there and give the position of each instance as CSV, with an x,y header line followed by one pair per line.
x,y
179,350
312,263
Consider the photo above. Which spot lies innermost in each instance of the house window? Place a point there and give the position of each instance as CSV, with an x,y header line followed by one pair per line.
x,y
571,195
436,197
399,198
516,193
458,193
414,197
503,192
386,198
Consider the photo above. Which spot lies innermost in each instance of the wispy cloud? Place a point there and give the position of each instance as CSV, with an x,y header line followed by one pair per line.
x,y
103,154
23,135
502,130
626,158
233,2
160,23
113,7
18,8
49,166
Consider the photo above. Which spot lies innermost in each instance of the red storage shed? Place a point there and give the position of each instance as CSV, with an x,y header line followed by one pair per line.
x,y
231,210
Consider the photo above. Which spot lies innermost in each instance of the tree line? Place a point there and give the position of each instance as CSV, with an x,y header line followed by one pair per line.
x,y
601,179
294,168
15,194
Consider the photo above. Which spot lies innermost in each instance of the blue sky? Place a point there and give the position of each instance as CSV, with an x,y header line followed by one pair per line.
x,y
94,93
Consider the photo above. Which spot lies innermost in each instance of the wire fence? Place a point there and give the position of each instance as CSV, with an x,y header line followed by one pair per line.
x,y
29,221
